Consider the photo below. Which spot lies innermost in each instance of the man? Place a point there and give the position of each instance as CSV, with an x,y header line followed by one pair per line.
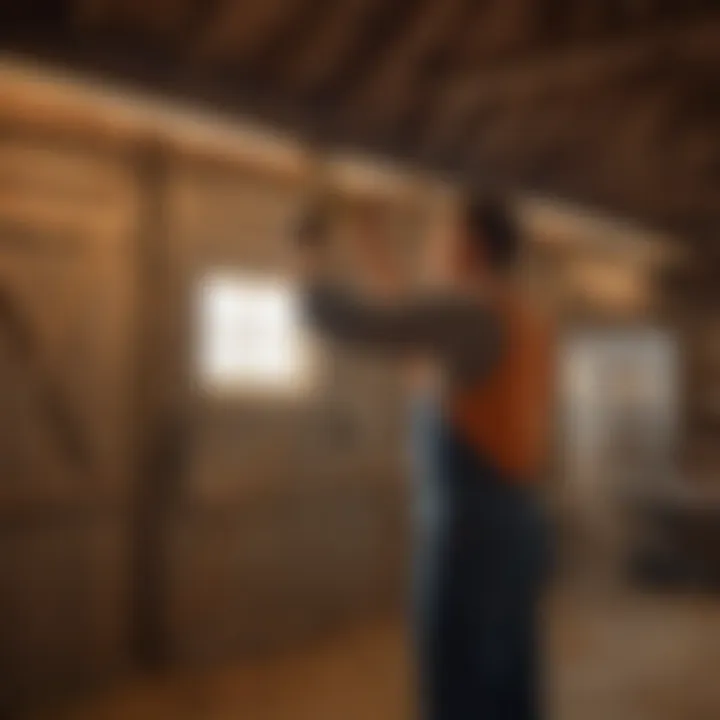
x,y
478,439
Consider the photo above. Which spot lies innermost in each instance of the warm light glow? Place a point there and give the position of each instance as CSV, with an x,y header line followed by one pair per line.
x,y
616,286
250,335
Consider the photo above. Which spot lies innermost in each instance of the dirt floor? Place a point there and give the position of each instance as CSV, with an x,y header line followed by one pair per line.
x,y
610,656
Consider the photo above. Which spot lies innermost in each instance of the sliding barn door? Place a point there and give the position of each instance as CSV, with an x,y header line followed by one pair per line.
x,y
68,222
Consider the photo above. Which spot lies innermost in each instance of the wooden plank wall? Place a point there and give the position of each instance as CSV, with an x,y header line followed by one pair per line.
x,y
139,519
68,223
289,516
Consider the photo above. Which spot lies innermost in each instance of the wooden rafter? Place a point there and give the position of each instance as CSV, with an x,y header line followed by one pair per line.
x,y
422,102
610,100
314,61
161,18
561,71
612,153
239,29
380,28
389,77
282,46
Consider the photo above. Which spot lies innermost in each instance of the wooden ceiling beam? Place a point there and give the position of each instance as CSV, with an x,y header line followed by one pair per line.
x,y
599,17
506,28
92,13
238,29
661,197
648,206
461,41
630,121
390,78
163,19
610,153
379,28
280,48
313,63
560,71
604,130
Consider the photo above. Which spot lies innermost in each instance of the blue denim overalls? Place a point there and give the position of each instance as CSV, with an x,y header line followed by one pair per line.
x,y
480,556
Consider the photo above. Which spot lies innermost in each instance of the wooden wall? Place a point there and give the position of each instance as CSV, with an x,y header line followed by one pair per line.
x,y
288,516
140,519
68,229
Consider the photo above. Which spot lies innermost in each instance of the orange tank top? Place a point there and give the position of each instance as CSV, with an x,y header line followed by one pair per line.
x,y
506,415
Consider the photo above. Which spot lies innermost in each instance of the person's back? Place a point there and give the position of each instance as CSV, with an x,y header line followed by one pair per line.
x,y
504,414
478,443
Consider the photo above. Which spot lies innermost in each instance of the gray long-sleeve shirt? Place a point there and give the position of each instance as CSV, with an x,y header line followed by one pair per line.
x,y
462,333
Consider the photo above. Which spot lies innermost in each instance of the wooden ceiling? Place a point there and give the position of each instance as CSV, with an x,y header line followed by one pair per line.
x,y
615,103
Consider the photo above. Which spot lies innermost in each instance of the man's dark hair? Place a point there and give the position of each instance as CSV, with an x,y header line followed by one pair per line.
x,y
493,230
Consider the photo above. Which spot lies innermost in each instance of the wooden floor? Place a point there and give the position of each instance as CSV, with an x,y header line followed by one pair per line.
x,y
617,657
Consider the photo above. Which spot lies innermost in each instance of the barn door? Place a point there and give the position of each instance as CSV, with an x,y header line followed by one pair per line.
x,y
68,220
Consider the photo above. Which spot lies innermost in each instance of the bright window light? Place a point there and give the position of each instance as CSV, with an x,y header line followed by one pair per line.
x,y
250,335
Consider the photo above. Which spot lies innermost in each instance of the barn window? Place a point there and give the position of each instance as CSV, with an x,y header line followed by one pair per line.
x,y
250,336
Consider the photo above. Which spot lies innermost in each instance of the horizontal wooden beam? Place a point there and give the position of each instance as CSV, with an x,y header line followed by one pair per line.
x,y
379,29
314,61
237,30
389,77
562,71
